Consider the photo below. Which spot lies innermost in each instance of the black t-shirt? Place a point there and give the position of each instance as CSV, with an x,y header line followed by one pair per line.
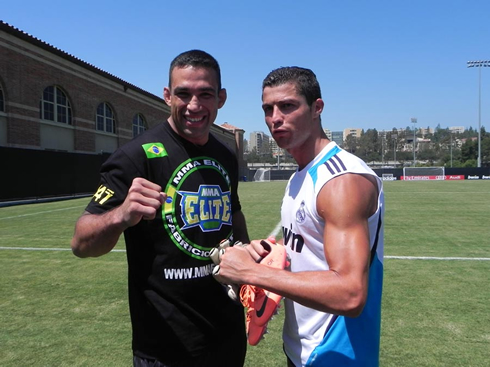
x,y
177,308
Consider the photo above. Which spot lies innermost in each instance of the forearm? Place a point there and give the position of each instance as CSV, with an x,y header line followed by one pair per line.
x,y
325,291
96,234
342,291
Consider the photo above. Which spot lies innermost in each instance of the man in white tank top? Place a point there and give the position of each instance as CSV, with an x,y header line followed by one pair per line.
x,y
332,221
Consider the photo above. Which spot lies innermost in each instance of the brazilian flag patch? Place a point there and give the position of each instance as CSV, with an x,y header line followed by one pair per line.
x,y
154,150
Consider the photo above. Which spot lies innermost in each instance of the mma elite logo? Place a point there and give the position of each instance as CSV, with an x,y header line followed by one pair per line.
x,y
209,208
194,207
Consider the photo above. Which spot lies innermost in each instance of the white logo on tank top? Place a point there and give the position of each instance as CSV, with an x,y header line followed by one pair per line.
x,y
300,214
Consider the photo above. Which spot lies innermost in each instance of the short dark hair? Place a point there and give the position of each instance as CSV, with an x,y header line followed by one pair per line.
x,y
304,79
196,58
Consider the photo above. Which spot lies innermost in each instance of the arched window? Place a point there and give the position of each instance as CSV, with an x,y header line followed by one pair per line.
x,y
105,119
55,106
139,124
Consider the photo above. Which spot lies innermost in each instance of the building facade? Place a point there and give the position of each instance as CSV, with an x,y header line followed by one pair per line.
x,y
355,132
53,101
338,137
259,141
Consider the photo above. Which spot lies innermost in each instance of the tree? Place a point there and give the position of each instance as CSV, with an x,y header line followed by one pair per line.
x,y
469,151
469,163
351,144
403,157
253,157
369,146
428,155
485,150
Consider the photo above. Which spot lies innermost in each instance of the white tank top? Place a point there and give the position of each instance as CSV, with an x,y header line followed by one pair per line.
x,y
314,338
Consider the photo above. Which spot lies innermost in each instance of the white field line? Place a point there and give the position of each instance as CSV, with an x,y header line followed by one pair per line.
x,y
276,230
274,233
436,258
386,257
440,192
45,249
43,212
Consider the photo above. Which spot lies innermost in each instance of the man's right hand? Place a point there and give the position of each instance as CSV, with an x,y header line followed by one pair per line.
x,y
142,202
259,249
97,234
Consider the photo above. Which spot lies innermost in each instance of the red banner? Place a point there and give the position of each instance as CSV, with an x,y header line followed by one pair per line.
x,y
427,178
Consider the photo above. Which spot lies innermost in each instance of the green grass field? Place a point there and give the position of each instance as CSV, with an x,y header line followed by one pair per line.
x,y
58,310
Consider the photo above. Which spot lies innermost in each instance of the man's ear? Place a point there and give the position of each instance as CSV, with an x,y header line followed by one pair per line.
x,y
221,97
167,96
318,107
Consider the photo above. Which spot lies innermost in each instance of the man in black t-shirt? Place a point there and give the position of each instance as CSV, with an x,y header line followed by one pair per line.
x,y
172,191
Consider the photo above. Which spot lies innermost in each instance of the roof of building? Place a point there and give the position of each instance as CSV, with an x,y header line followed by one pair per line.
x,y
5,27
228,126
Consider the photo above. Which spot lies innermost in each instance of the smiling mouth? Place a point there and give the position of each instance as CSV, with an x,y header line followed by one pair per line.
x,y
195,119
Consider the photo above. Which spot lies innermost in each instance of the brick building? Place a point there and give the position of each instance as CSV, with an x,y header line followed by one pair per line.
x,y
51,101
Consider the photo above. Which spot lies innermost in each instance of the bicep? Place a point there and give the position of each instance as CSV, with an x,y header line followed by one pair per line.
x,y
345,204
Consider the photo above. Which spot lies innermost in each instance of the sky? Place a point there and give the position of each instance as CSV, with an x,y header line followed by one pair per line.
x,y
380,63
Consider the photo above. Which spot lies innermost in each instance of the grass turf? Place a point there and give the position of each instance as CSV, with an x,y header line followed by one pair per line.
x,y
58,310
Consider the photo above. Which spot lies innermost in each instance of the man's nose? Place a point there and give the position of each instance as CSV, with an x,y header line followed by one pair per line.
x,y
276,115
194,103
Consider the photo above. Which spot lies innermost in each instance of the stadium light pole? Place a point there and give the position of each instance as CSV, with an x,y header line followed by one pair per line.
x,y
479,64
382,149
450,132
414,121
394,137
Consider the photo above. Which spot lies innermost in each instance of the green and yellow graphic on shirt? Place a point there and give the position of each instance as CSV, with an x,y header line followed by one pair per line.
x,y
154,150
193,205
209,208
102,194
